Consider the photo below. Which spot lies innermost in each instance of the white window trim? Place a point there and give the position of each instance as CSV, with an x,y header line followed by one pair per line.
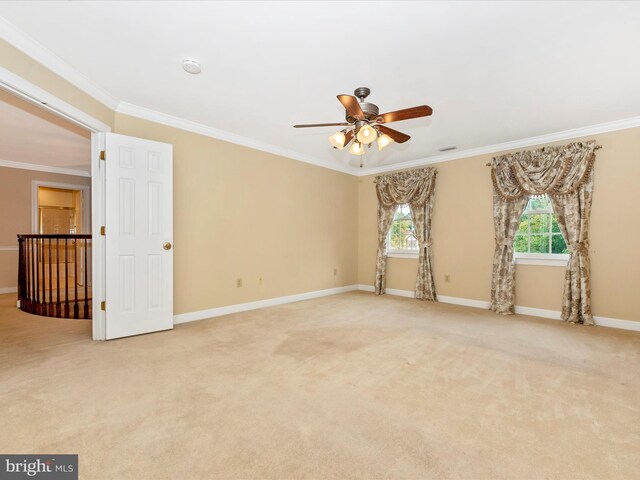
x,y
403,253
400,253
549,259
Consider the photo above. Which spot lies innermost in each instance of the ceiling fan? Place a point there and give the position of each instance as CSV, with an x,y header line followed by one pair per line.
x,y
365,124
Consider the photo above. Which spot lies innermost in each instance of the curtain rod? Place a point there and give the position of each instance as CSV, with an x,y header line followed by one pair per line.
x,y
597,147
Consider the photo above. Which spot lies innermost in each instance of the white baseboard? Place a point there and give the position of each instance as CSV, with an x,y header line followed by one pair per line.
x,y
538,312
8,290
389,291
400,293
465,302
617,323
534,312
270,302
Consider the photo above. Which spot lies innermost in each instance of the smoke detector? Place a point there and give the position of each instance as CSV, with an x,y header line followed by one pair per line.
x,y
191,65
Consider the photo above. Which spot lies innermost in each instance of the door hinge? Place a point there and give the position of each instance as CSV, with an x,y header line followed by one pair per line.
x,y
103,154
103,230
103,306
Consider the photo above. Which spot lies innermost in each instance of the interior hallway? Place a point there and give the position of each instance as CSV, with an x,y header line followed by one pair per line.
x,y
345,386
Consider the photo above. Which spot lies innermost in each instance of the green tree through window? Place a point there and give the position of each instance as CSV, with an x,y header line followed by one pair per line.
x,y
402,234
539,231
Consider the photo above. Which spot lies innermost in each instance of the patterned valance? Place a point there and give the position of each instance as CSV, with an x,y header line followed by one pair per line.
x,y
409,186
558,170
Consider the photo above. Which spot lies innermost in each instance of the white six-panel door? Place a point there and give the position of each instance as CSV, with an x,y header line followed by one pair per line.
x,y
139,236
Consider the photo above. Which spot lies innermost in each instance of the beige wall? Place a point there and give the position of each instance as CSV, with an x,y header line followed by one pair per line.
x,y
238,213
463,235
15,201
242,213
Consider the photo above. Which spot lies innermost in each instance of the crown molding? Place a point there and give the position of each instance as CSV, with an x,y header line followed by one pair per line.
x,y
159,117
201,129
31,93
41,54
44,168
44,56
574,133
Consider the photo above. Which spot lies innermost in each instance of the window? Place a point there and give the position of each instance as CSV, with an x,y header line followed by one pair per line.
x,y
402,240
539,237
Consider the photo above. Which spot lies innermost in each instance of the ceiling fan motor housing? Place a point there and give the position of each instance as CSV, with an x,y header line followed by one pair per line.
x,y
370,110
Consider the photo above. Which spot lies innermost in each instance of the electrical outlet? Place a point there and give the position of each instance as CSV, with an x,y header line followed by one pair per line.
x,y
259,280
447,278
335,272
238,282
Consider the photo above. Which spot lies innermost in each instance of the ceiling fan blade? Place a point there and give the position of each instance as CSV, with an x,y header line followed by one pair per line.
x,y
348,137
352,106
322,125
406,114
396,135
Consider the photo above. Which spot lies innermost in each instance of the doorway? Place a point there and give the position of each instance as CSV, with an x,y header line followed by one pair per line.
x,y
143,194
59,208
55,206
55,261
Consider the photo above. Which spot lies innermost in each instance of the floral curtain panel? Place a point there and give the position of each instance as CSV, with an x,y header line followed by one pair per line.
x,y
565,173
506,215
385,219
414,187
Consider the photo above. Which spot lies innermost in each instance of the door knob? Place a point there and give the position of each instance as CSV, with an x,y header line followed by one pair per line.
x,y
166,246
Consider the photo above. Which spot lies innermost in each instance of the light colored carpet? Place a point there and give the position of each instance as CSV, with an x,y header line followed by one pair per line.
x,y
348,386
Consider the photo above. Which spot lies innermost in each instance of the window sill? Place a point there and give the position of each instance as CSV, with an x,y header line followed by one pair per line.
x,y
557,260
402,254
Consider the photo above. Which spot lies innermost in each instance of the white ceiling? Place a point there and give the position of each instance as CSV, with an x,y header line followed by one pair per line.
x,y
493,72
29,134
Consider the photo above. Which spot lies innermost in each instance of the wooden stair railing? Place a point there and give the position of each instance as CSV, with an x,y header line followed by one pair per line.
x,y
54,275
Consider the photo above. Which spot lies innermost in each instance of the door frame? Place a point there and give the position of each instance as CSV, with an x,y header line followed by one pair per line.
x,y
30,92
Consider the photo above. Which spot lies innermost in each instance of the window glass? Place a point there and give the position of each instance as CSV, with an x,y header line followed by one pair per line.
x,y
402,233
539,231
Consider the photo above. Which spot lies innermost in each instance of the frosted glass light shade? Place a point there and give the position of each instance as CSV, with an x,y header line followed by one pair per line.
x,y
367,134
383,141
337,140
356,149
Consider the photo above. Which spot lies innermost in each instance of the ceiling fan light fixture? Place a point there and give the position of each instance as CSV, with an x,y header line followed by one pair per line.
x,y
367,134
337,140
356,148
384,141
